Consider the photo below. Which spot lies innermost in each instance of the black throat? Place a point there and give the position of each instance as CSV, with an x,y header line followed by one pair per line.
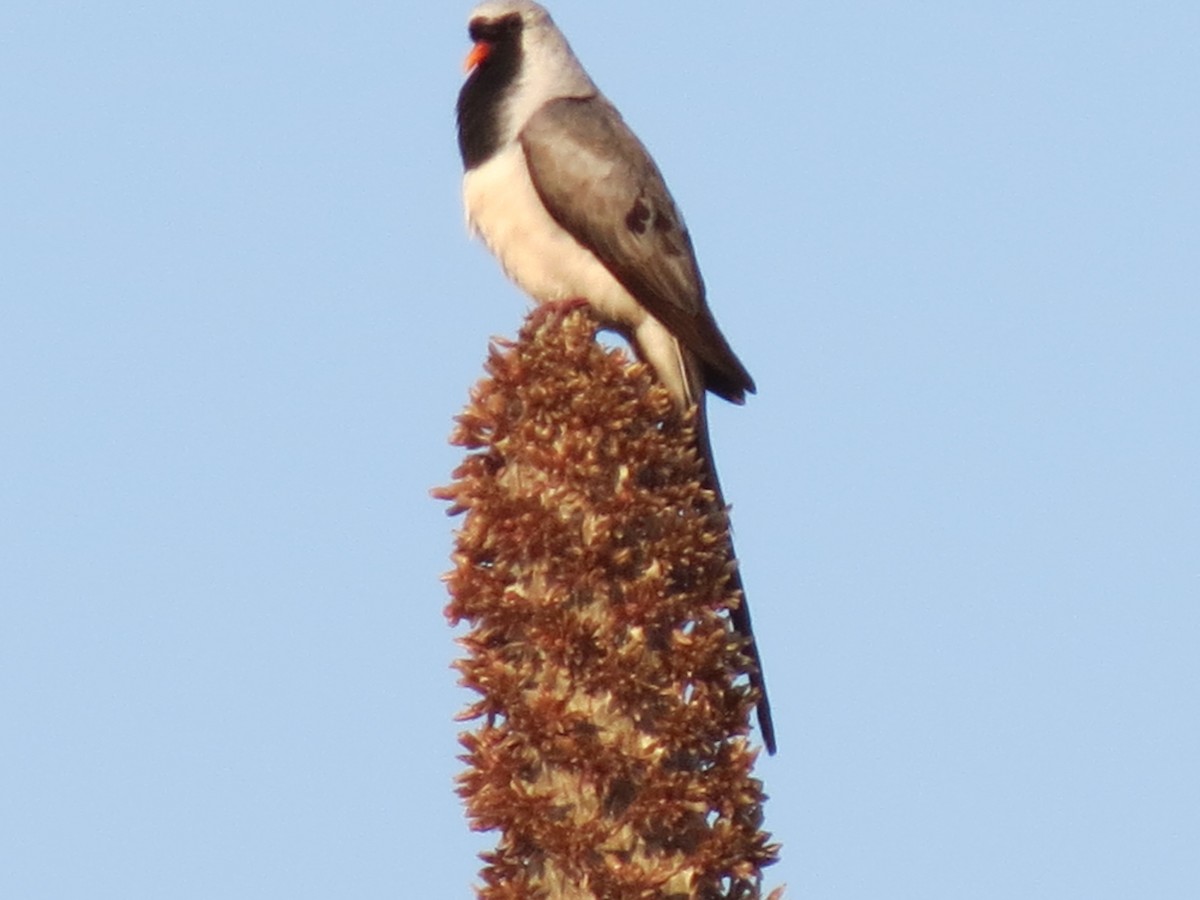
x,y
483,94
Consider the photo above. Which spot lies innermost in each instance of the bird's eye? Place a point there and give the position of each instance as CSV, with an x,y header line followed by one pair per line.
x,y
482,29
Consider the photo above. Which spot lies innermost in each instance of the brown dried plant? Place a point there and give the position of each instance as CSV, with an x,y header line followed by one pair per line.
x,y
593,568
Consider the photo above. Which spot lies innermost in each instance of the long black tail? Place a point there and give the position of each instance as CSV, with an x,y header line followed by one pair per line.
x,y
740,616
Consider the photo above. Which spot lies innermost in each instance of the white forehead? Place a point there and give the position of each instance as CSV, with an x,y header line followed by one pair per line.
x,y
529,11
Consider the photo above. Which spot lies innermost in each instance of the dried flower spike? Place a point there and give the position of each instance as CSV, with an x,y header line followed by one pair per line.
x,y
593,568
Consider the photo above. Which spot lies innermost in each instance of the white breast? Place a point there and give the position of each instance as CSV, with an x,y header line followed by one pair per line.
x,y
535,251
503,208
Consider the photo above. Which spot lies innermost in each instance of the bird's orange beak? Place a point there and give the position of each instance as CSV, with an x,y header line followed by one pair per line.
x,y
478,54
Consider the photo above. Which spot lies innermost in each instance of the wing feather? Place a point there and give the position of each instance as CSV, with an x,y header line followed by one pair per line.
x,y
599,183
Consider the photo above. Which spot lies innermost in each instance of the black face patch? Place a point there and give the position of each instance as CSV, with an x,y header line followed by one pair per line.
x,y
495,30
486,87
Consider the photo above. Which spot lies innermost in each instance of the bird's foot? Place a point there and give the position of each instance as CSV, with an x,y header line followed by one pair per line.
x,y
554,311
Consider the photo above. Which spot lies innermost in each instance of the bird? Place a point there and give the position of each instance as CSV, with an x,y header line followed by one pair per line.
x,y
572,205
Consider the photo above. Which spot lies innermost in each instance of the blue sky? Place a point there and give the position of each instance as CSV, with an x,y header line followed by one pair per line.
x,y
956,245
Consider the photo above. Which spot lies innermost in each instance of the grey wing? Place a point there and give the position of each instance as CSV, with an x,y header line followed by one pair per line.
x,y
599,183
